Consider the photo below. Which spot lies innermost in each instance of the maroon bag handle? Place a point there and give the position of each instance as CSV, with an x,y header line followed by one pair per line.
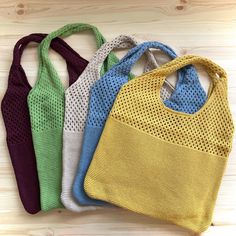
x,y
75,63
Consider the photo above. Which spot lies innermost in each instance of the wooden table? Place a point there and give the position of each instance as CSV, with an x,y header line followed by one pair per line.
x,y
206,28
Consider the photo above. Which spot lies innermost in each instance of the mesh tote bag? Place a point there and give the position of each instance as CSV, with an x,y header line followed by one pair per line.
x,y
160,162
76,106
46,106
17,121
104,93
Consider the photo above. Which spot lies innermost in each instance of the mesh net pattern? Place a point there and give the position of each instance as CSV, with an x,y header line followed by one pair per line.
x,y
208,130
46,99
77,95
47,106
104,91
15,102
14,105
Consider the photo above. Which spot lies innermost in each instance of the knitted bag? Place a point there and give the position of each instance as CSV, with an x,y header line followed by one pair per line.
x,y
104,93
76,106
17,121
159,162
46,106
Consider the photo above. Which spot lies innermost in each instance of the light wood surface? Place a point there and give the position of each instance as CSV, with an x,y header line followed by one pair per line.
x,y
206,28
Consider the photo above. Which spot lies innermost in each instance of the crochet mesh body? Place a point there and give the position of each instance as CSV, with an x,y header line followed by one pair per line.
x,y
188,96
150,116
15,110
47,101
77,95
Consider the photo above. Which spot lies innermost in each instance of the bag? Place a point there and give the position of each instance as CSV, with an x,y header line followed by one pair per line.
x,y
104,93
17,121
160,162
76,106
46,106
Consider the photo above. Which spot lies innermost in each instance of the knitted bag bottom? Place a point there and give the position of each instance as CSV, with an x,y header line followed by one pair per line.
x,y
142,173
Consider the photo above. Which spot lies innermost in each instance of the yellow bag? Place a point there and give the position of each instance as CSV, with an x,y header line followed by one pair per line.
x,y
159,162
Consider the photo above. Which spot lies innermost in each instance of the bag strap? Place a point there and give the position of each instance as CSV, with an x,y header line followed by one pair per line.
x,y
65,31
58,45
135,54
216,72
21,44
121,41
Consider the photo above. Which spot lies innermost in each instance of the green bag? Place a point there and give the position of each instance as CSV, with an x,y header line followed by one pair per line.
x,y
46,106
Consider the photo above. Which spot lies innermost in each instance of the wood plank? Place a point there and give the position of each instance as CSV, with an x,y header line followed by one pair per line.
x,y
198,27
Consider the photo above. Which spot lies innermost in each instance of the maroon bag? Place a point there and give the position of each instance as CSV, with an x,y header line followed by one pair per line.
x,y
17,120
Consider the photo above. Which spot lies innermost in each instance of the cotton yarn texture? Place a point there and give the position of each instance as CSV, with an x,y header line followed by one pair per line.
x,y
181,164
46,106
149,143
17,121
104,93
76,107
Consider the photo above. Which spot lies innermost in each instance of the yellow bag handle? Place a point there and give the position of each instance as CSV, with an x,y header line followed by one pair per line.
x,y
215,71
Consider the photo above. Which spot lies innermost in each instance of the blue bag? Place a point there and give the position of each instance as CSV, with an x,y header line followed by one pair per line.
x,y
188,97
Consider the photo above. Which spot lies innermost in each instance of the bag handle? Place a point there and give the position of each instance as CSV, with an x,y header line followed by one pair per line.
x,y
216,72
61,47
135,54
22,44
121,41
65,31
57,45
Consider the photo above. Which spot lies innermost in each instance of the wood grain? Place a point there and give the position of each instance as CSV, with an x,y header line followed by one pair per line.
x,y
206,28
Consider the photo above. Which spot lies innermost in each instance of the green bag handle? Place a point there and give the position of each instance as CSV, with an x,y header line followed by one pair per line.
x,y
67,30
